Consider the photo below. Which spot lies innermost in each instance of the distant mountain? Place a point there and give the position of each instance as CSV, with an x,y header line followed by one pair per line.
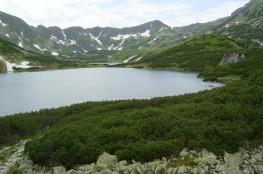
x,y
15,58
245,23
77,39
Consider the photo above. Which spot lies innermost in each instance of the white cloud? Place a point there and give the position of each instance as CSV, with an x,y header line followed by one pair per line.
x,y
116,13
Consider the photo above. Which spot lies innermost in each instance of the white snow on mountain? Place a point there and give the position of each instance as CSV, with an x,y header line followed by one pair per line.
x,y
138,59
73,42
96,38
131,35
55,54
111,47
129,59
10,66
20,44
124,36
7,35
146,33
3,24
53,37
39,48
85,51
152,41
64,35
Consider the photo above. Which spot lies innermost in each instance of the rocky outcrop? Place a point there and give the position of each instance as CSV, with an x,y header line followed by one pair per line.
x,y
188,162
232,58
2,66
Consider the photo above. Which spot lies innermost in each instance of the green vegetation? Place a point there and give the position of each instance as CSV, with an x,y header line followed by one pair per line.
x,y
182,162
4,153
14,170
219,120
199,54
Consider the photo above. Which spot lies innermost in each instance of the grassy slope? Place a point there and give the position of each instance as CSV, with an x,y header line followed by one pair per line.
x,y
197,54
147,129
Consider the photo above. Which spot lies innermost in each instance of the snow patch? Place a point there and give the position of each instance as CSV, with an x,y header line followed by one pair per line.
x,y
7,35
55,54
146,33
111,47
129,59
53,37
3,24
152,41
138,59
96,38
20,44
10,66
123,37
127,36
64,35
38,47
73,42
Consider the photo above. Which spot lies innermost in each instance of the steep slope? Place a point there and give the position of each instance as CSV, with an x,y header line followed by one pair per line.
x,y
14,58
245,23
75,40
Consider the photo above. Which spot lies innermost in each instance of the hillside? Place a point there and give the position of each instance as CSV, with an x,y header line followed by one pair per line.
x,y
197,54
215,120
245,23
14,58
73,42
77,40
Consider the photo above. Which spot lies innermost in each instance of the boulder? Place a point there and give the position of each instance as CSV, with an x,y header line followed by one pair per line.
x,y
207,158
233,163
107,159
184,153
59,170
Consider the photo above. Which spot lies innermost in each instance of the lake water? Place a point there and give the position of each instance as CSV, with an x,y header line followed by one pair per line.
x,y
30,91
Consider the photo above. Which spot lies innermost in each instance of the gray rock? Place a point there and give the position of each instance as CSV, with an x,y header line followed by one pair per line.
x,y
233,163
207,158
184,153
123,163
258,168
107,159
59,170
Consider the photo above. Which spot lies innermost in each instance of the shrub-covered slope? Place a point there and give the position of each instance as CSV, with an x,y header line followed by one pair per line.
x,y
146,130
220,120
194,55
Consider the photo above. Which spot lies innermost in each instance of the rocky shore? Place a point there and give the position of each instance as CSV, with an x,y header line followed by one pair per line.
x,y
188,162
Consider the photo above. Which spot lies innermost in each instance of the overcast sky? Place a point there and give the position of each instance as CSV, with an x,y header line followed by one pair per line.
x,y
118,13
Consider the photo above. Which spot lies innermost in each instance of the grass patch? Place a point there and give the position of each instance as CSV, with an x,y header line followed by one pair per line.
x,y
14,170
182,162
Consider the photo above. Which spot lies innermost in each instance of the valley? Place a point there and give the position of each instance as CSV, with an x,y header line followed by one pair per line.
x,y
148,99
